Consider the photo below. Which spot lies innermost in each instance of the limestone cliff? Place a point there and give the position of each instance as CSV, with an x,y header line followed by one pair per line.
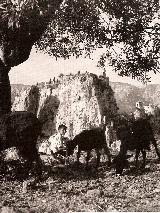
x,y
80,101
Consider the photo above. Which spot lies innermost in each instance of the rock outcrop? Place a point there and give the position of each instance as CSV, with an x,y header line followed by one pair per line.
x,y
80,101
16,90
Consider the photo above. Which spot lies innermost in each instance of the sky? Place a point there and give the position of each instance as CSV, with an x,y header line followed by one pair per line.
x,y
41,67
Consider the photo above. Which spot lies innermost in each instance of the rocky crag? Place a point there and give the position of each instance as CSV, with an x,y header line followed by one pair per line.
x,y
17,89
80,101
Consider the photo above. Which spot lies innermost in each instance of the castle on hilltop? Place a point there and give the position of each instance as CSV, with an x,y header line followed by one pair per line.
x,y
79,101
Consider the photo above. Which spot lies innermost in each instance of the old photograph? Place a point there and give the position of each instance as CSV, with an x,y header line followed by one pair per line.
x,y
79,106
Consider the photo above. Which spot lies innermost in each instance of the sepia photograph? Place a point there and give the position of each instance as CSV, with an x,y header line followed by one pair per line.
x,y
79,106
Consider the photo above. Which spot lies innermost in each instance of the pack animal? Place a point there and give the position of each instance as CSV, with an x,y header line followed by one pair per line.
x,y
88,140
138,136
21,130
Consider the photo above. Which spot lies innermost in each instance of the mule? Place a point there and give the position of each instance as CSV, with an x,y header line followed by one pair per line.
x,y
88,140
136,136
21,130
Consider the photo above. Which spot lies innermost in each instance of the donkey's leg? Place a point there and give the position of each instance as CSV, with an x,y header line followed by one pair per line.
x,y
36,157
78,156
66,159
29,153
28,162
98,158
144,158
136,157
87,159
154,142
107,152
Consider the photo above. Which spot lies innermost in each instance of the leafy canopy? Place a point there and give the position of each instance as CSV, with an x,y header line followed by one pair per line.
x,y
22,23
128,29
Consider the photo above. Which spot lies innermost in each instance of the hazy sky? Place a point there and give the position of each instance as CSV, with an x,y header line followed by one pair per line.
x,y
41,67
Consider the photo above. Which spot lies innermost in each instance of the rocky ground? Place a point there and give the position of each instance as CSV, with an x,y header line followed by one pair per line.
x,y
68,189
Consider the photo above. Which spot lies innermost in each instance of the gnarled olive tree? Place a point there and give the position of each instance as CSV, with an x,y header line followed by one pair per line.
x,y
22,23
65,27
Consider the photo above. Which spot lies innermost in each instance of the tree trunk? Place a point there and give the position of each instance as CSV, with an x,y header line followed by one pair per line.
x,y
5,89
16,44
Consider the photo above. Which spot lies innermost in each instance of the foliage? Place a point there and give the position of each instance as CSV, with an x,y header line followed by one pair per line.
x,y
16,13
75,29
22,23
136,44
129,30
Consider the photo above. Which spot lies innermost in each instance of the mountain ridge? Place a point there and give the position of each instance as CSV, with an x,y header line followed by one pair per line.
x,y
126,94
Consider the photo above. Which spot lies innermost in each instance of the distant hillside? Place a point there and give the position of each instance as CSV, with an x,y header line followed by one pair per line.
x,y
152,94
126,94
